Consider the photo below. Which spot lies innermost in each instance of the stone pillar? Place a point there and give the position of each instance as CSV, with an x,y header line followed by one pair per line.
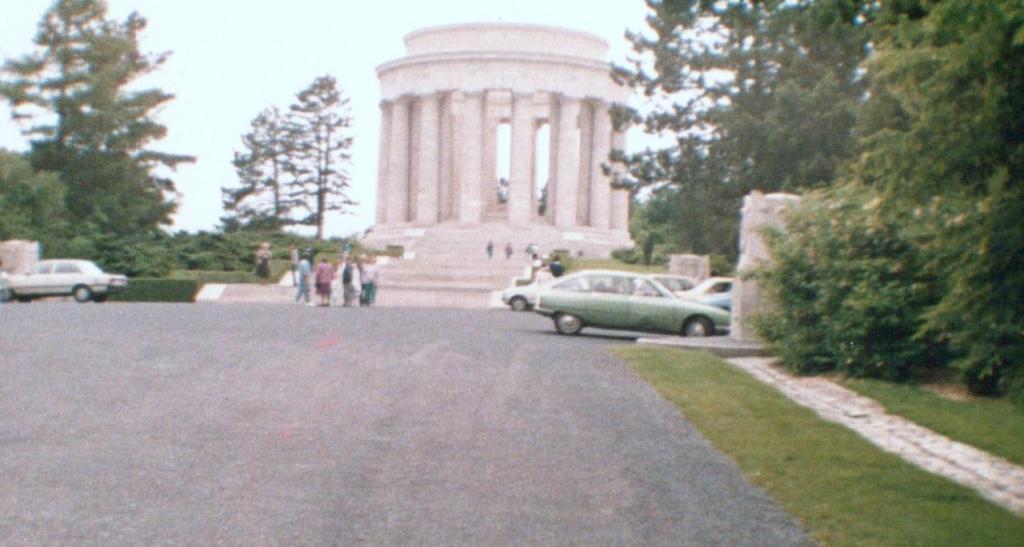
x,y
19,256
619,208
398,164
470,157
520,199
586,150
552,107
600,184
383,158
568,164
759,211
696,267
446,176
428,168
496,107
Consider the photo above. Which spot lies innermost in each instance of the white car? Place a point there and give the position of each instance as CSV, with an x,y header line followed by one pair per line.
x,y
710,286
523,297
79,278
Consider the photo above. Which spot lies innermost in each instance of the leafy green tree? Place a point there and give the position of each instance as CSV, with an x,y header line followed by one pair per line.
x,y
944,136
321,142
87,124
261,201
31,202
756,95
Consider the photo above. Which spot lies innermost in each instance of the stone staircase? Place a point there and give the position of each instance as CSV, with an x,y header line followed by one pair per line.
x,y
448,267
444,265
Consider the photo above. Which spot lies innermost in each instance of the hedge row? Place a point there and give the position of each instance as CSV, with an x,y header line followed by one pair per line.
x,y
153,289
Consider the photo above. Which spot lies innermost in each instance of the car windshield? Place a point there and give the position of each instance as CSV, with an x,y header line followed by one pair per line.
x,y
712,285
675,283
645,288
573,284
43,268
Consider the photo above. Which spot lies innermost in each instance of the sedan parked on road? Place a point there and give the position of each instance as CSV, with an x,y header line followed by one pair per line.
x,y
626,301
674,283
78,278
711,285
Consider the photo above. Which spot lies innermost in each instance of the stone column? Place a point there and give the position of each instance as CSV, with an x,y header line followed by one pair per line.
x,y
568,163
521,170
759,211
446,175
428,168
383,158
586,150
552,109
520,199
600,184
619,209
470,154
489,157
398,164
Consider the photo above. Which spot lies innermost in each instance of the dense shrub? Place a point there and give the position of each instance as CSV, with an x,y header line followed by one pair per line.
x,y
629,256
848,289
142,289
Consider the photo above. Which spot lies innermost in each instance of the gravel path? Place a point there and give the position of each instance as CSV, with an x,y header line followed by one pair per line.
x,y
257,424
998,480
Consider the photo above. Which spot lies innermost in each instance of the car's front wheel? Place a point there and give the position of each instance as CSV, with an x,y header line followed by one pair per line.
x,y
82,293
518,304
568,324
6,295
698,326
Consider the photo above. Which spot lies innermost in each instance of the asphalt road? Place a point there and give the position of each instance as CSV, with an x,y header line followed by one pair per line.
x,y
249,424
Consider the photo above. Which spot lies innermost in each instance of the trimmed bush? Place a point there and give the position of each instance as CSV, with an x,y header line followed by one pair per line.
x,y
629,256
143,289
848,289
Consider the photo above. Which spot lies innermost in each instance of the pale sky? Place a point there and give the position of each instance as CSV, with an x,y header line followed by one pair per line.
x,y
233,58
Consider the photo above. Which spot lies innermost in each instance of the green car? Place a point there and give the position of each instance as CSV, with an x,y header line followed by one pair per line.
x,y
626,301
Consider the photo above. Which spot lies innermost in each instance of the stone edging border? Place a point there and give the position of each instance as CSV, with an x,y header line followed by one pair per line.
x,y
994,478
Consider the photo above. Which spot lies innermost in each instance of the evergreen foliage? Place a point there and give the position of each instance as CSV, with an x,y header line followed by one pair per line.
x,y
85,122
294,161
757,95
918,260
261,201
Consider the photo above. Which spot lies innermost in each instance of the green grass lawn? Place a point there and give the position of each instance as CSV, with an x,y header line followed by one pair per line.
x,y
843,489
612,264
996,426
278,267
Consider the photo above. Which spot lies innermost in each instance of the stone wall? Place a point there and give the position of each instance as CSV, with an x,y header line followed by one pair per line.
x,y
759,211
19,256
696,267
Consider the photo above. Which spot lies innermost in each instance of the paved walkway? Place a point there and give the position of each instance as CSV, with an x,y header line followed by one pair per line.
x,y
994,478
364,426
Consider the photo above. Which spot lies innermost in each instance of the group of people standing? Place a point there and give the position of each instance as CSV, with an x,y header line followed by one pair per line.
x,y
354,279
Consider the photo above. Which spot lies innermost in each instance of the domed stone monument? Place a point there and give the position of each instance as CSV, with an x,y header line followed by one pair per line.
x,y
499,130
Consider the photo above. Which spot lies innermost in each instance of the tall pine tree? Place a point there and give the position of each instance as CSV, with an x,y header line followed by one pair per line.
x,y
321,143
86,125
261,200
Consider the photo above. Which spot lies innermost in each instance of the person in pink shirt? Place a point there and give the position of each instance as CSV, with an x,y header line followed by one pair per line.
x,y
324,276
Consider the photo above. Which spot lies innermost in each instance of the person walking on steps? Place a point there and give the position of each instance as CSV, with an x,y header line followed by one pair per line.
x,y
508,251
490,249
